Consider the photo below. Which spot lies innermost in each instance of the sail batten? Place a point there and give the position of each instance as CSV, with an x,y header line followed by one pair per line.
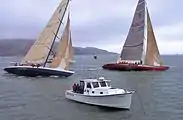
x,y
39,52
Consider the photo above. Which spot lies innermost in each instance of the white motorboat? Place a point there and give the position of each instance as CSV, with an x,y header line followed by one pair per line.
x,y
99,92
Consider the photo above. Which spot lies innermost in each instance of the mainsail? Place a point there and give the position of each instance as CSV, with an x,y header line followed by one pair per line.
x,y
152,54
133,47
140,44
40,50
63,52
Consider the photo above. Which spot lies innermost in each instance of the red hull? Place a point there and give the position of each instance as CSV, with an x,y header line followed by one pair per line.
x,y
128,67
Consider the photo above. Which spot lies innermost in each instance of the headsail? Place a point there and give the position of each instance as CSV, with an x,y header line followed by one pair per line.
x,y
62,56
152,54
133,47
71,51
40,50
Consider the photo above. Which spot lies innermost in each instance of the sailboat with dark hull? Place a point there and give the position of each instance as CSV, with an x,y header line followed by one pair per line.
x,y
35,62
140,51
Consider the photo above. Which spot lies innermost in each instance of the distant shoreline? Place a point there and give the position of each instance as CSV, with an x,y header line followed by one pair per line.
x,y
19,47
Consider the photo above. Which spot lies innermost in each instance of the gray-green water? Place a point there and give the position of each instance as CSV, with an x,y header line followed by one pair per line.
x,y
160,93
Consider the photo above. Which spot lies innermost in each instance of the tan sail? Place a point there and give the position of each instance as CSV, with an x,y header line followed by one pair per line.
x,y
71,51
40,50
152,54
62,55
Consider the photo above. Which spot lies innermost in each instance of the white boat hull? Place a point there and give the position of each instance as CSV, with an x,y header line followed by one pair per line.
x,y
121,101
37,71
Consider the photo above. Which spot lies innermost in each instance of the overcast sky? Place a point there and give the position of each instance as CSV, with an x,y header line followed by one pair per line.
x,y
98,23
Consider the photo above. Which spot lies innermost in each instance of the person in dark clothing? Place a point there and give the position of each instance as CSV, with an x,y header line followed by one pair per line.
x,y
74,87
33,65
38,65
81,89
77,88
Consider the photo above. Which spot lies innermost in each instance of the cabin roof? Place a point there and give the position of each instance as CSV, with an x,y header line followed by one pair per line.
x,y
90,80
94,80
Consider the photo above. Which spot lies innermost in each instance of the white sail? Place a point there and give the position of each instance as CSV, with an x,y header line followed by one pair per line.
x,y
40,50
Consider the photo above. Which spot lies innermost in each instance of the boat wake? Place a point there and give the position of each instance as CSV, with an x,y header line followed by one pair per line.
x,y
92,69
87,69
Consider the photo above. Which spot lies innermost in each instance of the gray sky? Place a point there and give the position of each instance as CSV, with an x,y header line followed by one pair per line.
x,y
97,23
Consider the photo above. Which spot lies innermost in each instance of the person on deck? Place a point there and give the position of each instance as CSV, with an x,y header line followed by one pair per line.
x,y
38,65
77,88
32,65
15,64
82,89
74,87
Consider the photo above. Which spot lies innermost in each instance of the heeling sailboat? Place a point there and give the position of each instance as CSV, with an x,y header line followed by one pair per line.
x,y
35,61
140,51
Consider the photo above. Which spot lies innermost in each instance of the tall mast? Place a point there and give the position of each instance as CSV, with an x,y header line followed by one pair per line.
x,y
55,35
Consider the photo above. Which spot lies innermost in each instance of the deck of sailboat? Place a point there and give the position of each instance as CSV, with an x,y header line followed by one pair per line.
x,y
133,67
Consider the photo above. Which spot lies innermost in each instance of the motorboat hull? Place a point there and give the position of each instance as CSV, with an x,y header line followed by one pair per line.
x,y
128,67
120,101
37,71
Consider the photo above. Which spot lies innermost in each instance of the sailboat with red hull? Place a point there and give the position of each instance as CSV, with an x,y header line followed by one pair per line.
x,y
140,51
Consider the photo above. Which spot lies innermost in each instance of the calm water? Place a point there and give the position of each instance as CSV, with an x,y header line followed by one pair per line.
x,y
159,94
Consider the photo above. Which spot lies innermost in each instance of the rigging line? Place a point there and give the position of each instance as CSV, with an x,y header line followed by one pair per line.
x,y
140,102
51,50
60,21
56,33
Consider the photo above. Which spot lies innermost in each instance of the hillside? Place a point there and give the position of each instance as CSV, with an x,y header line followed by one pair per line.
x,y
19,47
